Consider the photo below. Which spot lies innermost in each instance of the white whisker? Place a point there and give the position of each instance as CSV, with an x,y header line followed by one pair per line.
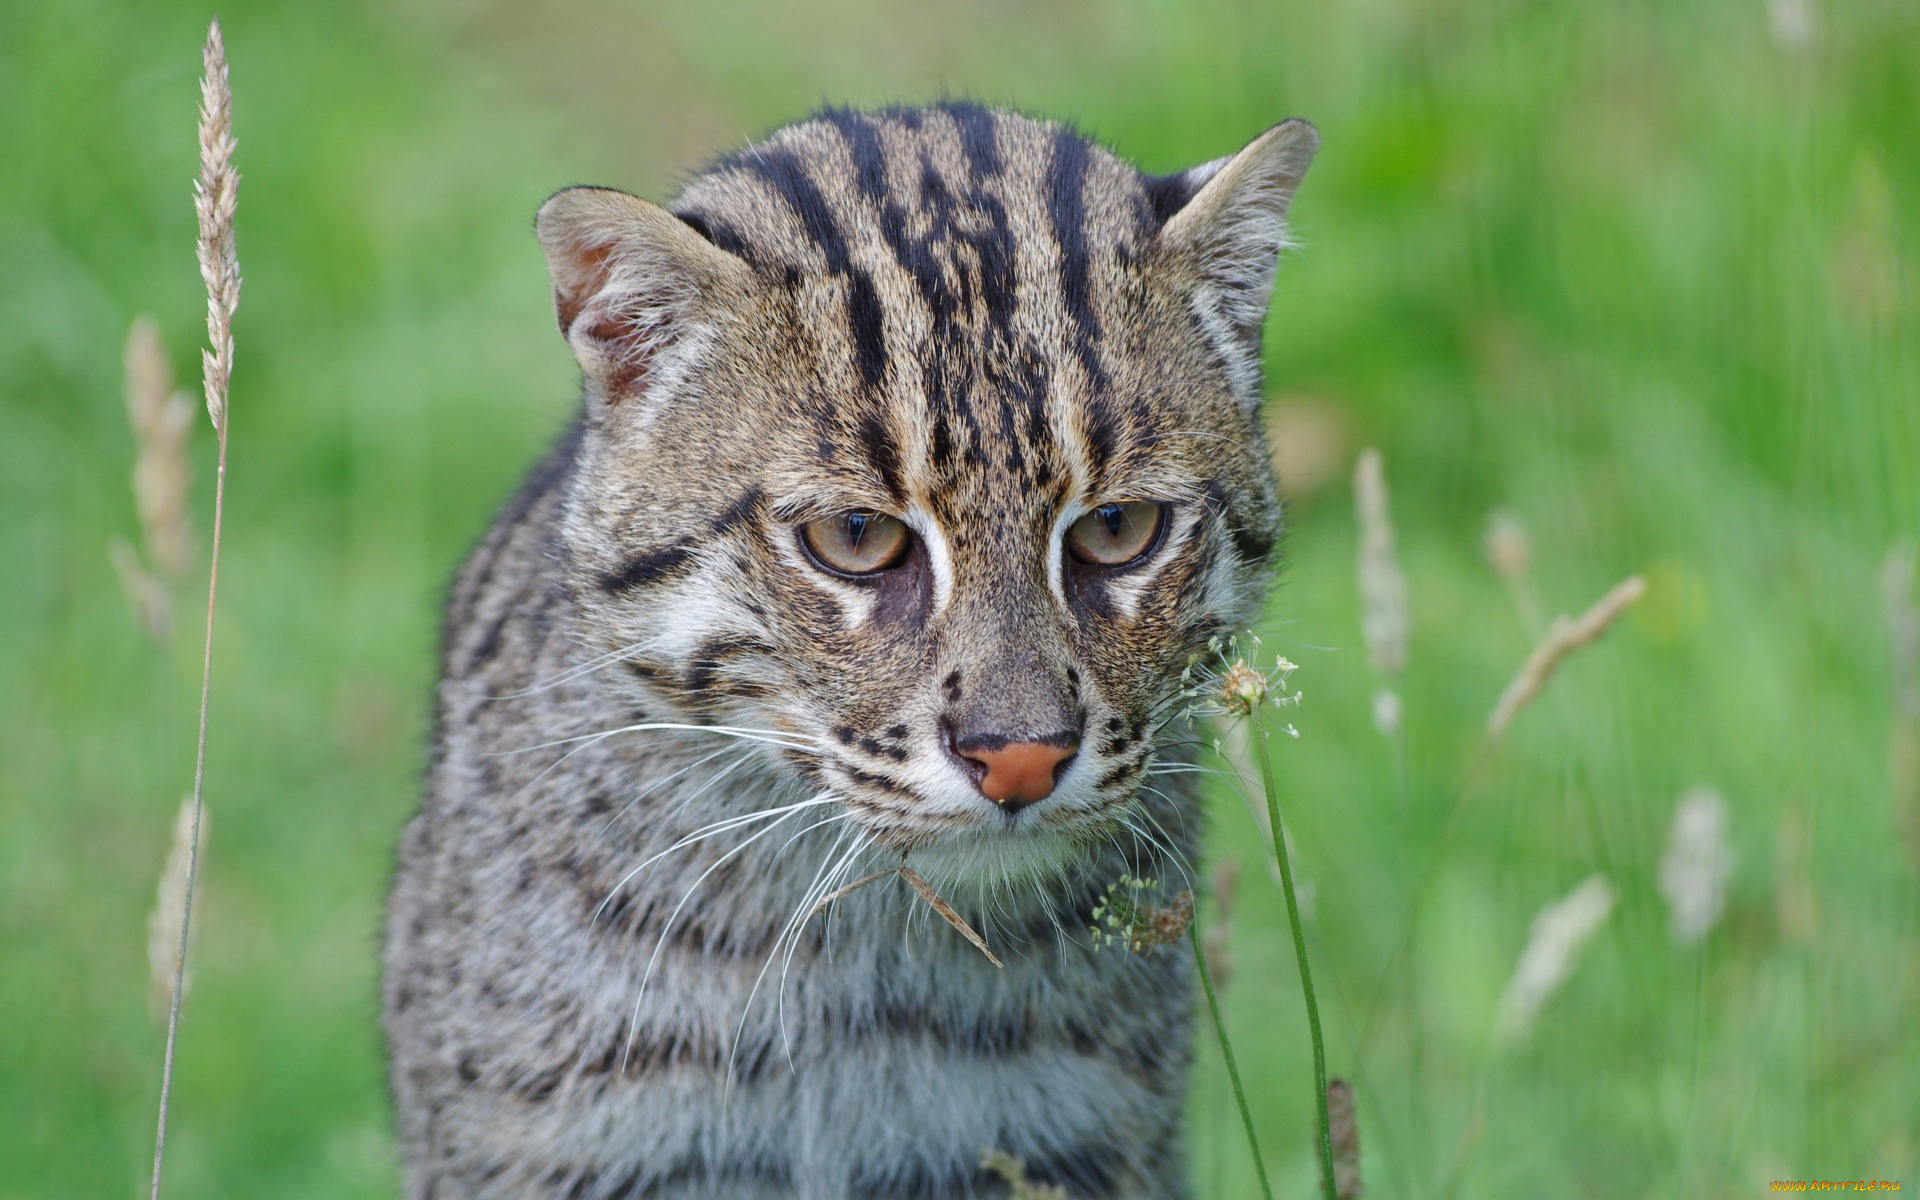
x,y
772,737
712,830
826,885
660,943
661,782
588,667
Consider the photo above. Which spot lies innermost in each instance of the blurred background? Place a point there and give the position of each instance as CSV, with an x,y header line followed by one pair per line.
x,y
1638,276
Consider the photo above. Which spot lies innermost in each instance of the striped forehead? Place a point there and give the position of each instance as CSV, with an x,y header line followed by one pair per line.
x,y
959,271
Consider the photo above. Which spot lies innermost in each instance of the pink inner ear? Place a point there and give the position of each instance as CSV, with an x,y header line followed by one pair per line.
x,y
628,354
589,276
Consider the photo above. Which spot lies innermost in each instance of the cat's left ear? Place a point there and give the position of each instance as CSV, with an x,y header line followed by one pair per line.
x,y
1228,228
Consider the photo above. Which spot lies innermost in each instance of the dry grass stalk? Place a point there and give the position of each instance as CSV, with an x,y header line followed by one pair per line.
x,y
1559,933
1218,939
1346,1141
1564,636
1903,627
841,893
163,924
946,912
215,194
1903,722
1383,589
1013,1170
1696,866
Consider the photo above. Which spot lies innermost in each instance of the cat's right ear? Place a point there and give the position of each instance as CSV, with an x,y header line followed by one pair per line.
x,y
633,285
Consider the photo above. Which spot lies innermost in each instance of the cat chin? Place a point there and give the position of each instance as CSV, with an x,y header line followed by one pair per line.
x,y
989,859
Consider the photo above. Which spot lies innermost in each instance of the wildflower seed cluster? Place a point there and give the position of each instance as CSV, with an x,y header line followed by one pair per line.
x,y
1127,917
1225,682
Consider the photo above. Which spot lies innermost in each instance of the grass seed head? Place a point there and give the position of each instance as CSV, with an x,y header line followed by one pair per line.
x,y
1559,934
1696,866
163,924
161,419
216,194
1563,638
1383,589
1506,545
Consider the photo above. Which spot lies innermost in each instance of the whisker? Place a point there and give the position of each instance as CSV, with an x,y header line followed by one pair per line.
x,y
660,943
772,737
1174,857
588,667
774,952
793,941
657,784
712,830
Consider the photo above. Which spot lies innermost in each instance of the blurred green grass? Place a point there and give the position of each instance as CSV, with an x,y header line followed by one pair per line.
x,y
1641,272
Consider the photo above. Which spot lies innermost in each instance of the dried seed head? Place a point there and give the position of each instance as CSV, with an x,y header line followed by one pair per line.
x,y
1242,689
1227,683
161,419
1563,638
1013,1170
1386,712
1383,589
1506,545
1559,933
163,924
1126,916
1344,1126
1791,22
1695,868
216,194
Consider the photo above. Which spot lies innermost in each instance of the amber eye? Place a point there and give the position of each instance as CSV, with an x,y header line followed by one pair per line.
x,y
1114,535
857,543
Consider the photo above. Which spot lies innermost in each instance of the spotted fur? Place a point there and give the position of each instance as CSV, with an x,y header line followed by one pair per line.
x,y
665,731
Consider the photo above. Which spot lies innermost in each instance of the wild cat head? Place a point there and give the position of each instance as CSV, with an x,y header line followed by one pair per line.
x,y
931,439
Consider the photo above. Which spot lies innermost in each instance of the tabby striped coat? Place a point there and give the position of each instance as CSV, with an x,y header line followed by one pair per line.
x,y
919,451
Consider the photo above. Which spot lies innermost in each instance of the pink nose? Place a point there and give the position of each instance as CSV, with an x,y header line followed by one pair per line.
x,y
1019,773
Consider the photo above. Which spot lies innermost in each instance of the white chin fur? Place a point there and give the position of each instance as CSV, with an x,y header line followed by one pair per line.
x,y
997,854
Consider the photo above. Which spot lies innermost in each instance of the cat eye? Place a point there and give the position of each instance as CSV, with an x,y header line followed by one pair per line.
x,y
857,543
1115,535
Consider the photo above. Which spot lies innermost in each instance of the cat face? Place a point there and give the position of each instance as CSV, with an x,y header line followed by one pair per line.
x,y
927,441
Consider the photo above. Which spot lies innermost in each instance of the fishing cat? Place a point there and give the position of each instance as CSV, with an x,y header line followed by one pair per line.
x,y
920,450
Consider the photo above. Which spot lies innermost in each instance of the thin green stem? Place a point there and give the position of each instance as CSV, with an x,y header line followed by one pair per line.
x,y
1300,951
1226,1052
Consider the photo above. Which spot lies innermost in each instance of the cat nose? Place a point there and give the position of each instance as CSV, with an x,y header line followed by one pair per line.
x,y
1015,774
